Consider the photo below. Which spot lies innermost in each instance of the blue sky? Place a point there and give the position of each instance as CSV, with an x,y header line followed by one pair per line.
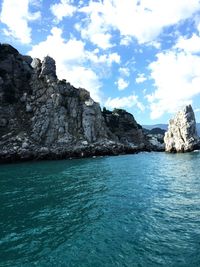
x,y
140,55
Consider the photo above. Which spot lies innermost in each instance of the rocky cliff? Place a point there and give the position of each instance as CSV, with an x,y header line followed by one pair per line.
x,y
43,117
124,128
182,134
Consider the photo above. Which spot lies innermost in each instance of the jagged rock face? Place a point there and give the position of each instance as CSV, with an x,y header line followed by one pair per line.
x,y
39,110
124,127
43,117
182,134
61,112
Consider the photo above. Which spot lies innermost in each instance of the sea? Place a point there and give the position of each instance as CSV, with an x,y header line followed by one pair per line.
x,y
132,210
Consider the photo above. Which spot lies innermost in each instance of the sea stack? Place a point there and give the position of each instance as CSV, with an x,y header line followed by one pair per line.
x,y
182,134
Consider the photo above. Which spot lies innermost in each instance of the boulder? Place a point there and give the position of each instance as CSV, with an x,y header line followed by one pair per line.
x,y
182,134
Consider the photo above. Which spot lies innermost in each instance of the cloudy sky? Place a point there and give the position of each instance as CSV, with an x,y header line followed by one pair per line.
x,y
140,55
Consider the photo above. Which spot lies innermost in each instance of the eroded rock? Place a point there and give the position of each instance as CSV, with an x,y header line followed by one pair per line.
x,y
182,134
124,128
43,117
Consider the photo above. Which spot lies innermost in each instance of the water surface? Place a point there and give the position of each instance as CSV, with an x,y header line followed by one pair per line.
x,y
135,210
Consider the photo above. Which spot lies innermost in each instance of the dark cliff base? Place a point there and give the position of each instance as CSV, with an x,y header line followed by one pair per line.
x,y
93,150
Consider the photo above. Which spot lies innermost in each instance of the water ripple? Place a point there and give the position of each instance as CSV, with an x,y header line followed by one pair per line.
x,y
135,210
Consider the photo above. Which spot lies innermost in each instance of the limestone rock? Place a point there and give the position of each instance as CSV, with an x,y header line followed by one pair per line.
x,y
43,117
50,113
182,134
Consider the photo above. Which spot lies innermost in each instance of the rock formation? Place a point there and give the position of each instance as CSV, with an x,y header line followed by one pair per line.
x,y
43,117
182,134
155,139
124,127
155,142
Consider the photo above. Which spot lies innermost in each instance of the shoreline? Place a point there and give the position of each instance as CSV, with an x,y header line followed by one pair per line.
x,y
73,153
70,155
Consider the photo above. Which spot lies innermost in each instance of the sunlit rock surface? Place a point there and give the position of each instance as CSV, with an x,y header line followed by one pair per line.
x,y
43,117
182,134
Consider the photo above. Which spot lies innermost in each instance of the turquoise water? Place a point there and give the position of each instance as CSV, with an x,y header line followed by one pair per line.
x,y
135,210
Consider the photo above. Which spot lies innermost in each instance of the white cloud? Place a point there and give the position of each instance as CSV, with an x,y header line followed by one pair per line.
x,y
70,57
122,84
125,40
105,59
155,44
144,19
191,45
71,60
140,78
124,102
36,3
124,71
197,22
96,29
114,57
83,77
63,9
102,40
177,78
16,15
